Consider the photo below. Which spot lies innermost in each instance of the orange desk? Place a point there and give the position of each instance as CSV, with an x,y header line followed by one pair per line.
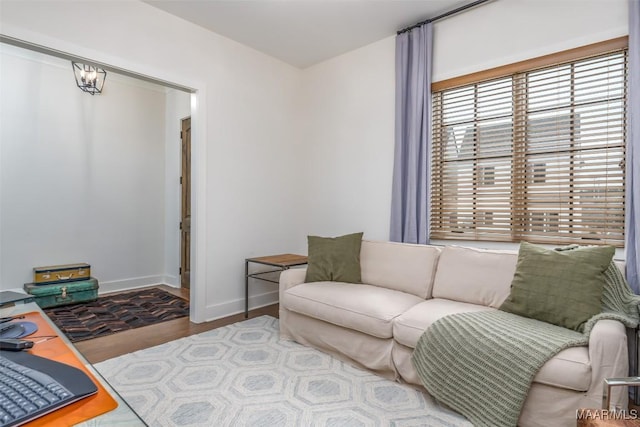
x,y
56,349
105,407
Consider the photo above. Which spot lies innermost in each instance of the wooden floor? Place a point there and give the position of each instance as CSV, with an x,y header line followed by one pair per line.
x,y
100,349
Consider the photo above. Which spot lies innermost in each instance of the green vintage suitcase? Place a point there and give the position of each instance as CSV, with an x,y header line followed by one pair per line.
x,y
63,293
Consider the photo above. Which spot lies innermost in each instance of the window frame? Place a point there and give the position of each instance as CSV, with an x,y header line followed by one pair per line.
x,y
514,71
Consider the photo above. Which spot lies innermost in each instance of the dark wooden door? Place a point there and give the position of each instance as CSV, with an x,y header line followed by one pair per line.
x,y
185,221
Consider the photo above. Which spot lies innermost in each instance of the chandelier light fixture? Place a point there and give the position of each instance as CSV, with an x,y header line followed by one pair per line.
x,y
89,78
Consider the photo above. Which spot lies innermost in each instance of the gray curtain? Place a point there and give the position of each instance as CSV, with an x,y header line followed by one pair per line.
x,y
632,206
410,192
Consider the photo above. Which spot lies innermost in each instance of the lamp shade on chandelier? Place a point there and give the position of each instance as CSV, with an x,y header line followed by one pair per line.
x,y
89,78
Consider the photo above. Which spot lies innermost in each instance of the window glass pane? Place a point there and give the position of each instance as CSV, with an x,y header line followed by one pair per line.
x,y
460,105
599,79
551,130
494,99
549,88
600,124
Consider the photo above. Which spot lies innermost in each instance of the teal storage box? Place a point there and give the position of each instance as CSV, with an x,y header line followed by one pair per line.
x,y
58,294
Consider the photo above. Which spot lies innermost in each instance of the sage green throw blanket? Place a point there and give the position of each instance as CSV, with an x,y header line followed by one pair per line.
x,y
481,364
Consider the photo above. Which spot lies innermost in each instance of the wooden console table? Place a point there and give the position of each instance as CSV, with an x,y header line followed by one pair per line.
x,y
279,262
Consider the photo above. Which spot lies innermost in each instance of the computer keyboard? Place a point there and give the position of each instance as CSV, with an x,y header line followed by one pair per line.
x,y
32,386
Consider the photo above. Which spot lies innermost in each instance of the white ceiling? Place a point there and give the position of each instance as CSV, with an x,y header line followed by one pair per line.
x,y
305,32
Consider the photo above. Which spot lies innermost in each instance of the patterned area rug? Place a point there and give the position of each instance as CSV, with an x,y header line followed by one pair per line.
x,y
243,375
119,312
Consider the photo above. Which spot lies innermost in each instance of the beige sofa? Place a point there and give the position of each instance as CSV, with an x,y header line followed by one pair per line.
x,y
405,288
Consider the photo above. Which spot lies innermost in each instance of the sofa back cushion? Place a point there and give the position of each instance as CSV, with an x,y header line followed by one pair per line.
x,y
476,276
399,266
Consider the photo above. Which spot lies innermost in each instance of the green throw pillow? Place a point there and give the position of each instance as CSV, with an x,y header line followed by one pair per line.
x,y
559,287
334,258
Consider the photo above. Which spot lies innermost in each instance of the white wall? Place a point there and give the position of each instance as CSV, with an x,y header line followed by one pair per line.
x,y
81,176
349,116
507,31
348,131
246,148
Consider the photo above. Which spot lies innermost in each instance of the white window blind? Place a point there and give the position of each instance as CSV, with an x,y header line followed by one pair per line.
x,y
535,156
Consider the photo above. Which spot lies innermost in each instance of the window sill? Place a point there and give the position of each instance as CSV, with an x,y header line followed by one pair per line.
x,y
504,246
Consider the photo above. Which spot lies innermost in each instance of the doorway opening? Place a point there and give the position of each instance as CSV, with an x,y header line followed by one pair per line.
x,y
196,109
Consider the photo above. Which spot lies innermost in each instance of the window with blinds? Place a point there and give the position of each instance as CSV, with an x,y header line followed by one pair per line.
x,y
535,156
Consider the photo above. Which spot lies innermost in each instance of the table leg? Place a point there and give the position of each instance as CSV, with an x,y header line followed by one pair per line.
x,y
246,289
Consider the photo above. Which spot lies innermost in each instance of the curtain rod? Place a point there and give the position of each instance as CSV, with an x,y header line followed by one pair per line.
x,y
444,15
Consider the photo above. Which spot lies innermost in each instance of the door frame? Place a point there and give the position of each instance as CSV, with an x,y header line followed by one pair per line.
x,y
198,294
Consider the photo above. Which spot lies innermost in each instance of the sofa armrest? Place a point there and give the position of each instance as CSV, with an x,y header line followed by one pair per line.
x,y
608,353
290,278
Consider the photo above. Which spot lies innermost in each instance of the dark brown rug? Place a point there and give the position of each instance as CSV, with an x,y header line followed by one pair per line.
x,y
115,313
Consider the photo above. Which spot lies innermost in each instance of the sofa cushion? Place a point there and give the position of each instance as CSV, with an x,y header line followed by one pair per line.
x,y
559,287
401,266
408,327
476,276
334,258
569,369
365,308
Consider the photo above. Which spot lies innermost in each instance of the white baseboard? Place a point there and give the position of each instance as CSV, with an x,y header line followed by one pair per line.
x,y
229,308
173,281
137,282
